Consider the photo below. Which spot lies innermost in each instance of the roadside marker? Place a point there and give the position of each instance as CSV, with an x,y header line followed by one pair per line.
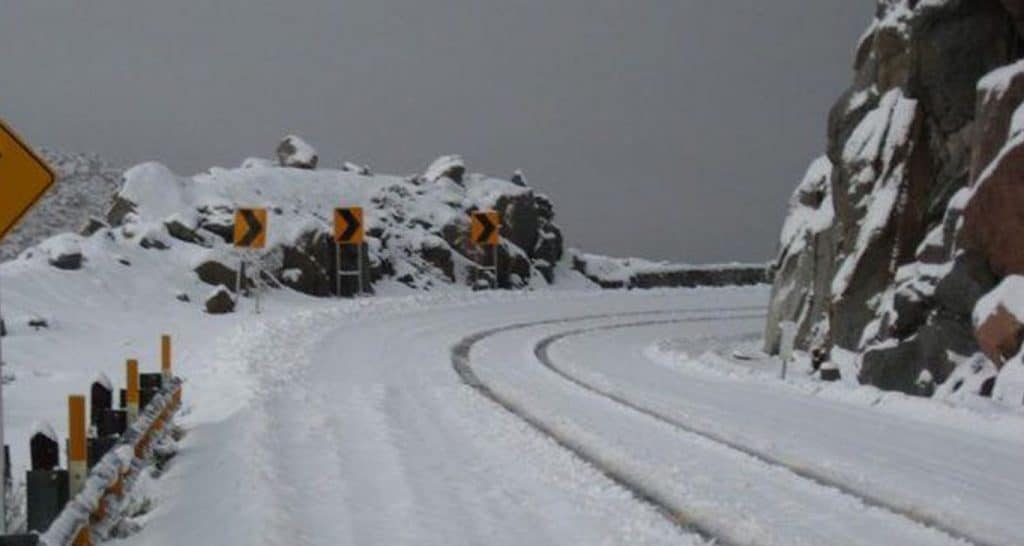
x,y
250,232
24,178
349,231
131,398
485,228
348,225
251,228
485,231
165,356
77,465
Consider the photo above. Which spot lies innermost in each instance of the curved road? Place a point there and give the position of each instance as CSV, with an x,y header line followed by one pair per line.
x,y
348,425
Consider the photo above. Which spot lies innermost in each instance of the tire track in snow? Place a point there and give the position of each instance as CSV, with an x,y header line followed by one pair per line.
x,y
541,350
461,363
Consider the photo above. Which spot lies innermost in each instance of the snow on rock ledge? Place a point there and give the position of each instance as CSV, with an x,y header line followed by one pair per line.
x,y
417,234
639,273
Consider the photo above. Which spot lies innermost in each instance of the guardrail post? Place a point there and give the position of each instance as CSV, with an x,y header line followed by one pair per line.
x,y
132,393
46,486
77,464
83,538
101,399
165,356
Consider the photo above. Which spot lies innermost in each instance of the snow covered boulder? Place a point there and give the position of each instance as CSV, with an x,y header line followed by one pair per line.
x,y
518,178
451,167
296,153
216,273
220,302
999,320
64,252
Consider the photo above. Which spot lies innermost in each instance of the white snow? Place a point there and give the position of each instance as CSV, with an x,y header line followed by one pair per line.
x,y
874,141
442,165
45,429
104,381
1009,294
802,219
995,84
65,244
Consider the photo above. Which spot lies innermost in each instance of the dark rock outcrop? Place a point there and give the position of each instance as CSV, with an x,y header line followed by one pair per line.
x,y
925,189
220,302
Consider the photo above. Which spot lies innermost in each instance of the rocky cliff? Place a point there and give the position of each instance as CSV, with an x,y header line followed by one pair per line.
x,y
912,215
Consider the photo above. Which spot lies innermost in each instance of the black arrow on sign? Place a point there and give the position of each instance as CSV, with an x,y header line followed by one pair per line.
x,y
255,228
351,224
489,227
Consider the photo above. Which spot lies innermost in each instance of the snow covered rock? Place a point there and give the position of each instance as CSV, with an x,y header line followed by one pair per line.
x,y
803,270
220,302
999,320
216,273
296,153
518,178
64,252
451,167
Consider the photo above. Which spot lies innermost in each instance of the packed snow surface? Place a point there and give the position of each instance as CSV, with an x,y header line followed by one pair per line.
x,y
324,422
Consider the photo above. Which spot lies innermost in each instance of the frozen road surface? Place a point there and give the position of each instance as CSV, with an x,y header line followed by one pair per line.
x,y
505,419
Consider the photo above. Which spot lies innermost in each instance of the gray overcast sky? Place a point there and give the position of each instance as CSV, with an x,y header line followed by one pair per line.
x,y
671,129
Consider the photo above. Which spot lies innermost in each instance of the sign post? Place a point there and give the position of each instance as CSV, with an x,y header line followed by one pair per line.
x,y
24,178
484,231
250,233
349,231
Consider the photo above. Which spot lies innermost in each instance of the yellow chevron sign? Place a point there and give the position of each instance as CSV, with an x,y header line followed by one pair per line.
x,y
24,178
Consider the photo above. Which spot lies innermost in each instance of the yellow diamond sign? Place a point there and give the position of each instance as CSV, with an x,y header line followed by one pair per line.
x,y
24,178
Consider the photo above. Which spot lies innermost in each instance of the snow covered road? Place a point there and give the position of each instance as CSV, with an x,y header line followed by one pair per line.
x,y
348,425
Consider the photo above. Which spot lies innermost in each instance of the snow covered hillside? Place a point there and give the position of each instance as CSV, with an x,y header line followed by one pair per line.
x,y
85,185
417,227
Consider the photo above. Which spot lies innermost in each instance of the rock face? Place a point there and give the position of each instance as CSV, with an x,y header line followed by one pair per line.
x,y
911,217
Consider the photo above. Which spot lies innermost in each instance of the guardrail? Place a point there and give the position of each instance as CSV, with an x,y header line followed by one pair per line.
x,y
104,460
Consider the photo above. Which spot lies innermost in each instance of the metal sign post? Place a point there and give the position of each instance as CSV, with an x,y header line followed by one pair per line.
x,y
357,272
250,233
349,231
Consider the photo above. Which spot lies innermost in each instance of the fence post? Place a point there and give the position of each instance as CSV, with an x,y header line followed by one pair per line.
x,y
786,345
132,393
77,465
165,356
